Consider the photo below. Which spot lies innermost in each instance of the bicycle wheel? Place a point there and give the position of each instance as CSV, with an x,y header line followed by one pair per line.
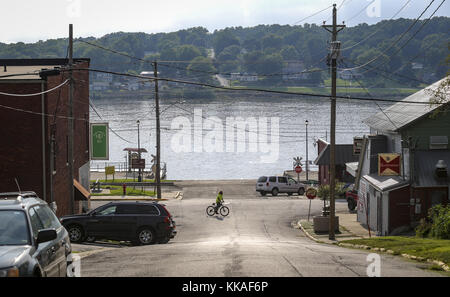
x,y
224,211
210,210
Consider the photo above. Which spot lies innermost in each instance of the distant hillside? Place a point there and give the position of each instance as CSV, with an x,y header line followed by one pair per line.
x,y
265,50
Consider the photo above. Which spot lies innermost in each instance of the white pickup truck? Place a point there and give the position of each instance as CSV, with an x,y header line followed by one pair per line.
x,y
279,184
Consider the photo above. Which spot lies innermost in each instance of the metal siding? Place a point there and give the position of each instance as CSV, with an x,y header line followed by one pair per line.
x,y
400,115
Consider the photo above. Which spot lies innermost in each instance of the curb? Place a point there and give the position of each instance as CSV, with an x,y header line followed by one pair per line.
x,y
444,266
90,253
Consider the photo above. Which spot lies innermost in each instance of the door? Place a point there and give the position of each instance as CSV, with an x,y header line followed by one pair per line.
x,y
293,185
46,251
125,221
100,223
58,245
283,184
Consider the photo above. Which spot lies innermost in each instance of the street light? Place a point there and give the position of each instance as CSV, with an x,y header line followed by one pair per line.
x,y
139,152
307,165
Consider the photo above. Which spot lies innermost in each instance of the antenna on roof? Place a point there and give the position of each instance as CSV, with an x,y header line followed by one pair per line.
x,y
17,183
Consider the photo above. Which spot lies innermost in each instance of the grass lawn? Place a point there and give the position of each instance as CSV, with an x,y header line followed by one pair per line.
x,y
129,180
436,249
118,191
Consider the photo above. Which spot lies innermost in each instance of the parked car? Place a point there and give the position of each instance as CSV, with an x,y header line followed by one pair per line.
x,y
32,240
352,199
138,222
279,184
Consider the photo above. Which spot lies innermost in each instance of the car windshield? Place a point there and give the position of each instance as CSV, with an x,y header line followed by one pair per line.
x,y
13,228
262,179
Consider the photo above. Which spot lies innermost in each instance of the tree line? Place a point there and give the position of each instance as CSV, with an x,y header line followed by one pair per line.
x,y
264,50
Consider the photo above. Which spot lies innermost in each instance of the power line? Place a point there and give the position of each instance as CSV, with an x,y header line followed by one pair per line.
x,y
316,13
421,27
378,30
35,94
356,15
251,89
396,41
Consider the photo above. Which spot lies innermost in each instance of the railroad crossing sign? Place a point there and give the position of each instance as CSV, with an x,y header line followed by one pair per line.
x,y
298,161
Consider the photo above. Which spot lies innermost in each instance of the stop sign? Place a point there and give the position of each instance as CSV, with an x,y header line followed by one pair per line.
x,y
298,169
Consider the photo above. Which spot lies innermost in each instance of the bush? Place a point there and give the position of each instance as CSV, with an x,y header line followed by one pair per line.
x,y
437,224
324,191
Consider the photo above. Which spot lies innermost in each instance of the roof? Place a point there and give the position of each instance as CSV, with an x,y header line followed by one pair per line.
x,y
84,193
385,183
343,154
8,200
130,149
39,62
352,168
425,165
30,66
400,114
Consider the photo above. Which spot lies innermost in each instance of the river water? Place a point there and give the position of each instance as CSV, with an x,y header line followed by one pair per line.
x,y
187,153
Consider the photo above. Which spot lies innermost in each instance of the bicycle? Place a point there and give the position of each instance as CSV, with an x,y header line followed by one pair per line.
x,y
223,210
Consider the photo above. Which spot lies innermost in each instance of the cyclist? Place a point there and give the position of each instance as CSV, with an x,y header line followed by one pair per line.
x,y
219,201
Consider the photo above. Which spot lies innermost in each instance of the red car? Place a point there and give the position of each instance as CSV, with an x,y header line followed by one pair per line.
x,y
352,199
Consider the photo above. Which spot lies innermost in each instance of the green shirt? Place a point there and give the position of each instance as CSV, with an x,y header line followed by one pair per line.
x,y
219,198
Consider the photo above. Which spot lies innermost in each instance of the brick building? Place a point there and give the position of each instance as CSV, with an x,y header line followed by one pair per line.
x,y
28,123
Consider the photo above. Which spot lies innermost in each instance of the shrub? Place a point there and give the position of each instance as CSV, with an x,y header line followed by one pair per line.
x,y
440,227
437,223
324,191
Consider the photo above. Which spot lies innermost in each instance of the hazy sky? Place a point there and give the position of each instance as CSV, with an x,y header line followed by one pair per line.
x,y
31,20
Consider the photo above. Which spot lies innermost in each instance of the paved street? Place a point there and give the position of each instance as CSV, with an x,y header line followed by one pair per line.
x,y
258,238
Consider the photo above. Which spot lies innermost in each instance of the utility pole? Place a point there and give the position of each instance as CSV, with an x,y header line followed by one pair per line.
x,y
158,136
70,120
335,46
139,153
307,161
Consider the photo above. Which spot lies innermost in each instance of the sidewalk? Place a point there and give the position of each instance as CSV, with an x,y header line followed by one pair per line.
x,y
165,196
348,226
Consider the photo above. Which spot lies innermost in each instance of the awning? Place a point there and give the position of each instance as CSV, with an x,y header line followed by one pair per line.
x,y
352,168
386,183
80,192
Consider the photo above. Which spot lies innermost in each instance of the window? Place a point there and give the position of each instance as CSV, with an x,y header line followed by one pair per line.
x,y
107,211
272,179
148,209
127,209
13,228
292,181
36,223
47,217
262,179
282,180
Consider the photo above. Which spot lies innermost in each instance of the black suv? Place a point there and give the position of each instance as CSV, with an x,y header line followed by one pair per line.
x,y
32,240
138,222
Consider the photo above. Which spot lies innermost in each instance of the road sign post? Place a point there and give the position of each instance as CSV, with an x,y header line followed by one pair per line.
x,y
311,193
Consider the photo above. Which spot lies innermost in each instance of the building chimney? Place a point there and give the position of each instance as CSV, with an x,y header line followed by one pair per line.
x,y
441,169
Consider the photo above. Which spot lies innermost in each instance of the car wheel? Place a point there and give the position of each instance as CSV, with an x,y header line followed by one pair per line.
x,y
301,191
351,204
263,193
274,192
75,233
145,236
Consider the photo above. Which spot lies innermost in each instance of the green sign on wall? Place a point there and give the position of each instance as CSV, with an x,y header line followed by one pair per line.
x,y
99,141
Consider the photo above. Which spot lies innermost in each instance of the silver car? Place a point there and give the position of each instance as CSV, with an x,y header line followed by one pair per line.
x,y
279,184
